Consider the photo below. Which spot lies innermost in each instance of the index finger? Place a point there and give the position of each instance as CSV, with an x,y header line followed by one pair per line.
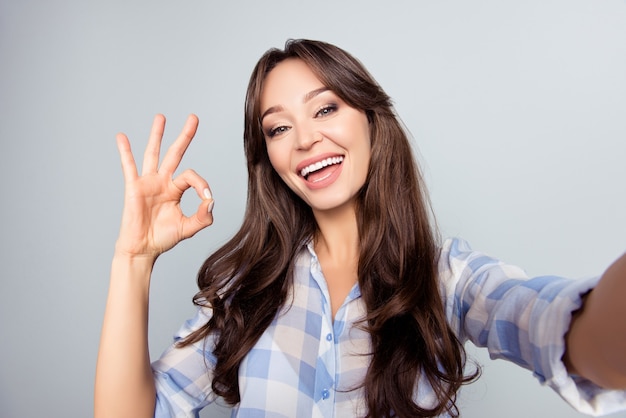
x,y
176,151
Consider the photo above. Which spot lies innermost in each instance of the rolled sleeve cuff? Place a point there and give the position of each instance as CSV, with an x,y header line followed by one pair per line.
x,y
553,324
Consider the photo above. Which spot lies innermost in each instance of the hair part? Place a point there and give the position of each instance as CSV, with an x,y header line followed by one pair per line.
x,y
248,280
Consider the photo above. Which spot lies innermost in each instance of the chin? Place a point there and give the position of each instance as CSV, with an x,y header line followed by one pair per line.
x,y
332,205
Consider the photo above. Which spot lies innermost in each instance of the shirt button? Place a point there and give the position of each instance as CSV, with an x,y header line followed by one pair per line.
x,y
329,337
325,394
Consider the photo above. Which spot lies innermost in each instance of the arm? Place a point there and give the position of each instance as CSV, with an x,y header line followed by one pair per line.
x,y
123,375
596,342
521,319
152,223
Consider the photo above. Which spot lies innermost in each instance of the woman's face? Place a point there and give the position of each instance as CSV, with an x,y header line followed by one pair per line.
x,y
317,144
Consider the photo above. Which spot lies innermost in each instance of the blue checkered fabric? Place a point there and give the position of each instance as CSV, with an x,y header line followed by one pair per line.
x,y
306,365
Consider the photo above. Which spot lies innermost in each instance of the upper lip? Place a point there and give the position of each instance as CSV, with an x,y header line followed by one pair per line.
x,y
313,160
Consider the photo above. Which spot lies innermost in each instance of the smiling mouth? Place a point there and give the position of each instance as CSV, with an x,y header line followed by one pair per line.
x,y
320,165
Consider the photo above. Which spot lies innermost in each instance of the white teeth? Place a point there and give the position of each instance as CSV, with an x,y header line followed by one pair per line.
x,y
320,164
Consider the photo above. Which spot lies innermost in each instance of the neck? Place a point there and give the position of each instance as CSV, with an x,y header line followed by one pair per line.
x,y
338,237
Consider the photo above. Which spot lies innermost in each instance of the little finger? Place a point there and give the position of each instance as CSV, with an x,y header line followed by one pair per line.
x,y
129,168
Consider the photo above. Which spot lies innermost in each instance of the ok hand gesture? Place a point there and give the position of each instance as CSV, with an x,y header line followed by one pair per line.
x,y
152,220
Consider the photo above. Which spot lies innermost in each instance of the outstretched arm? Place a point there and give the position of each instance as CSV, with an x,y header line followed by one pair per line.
x,y
152,223
596,342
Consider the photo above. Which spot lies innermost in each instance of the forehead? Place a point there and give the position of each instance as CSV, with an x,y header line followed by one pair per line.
x,y
290,80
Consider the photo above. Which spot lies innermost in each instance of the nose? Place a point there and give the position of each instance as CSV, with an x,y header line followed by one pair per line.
x,y
307,138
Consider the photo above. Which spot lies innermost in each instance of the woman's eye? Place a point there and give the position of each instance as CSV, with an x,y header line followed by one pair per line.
x,y
326,110
277,131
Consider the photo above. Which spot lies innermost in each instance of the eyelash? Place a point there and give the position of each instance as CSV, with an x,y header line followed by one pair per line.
x,y
271,133
329,108
322,112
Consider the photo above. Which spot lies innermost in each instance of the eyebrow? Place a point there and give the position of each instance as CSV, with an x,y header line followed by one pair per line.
x,y
307,97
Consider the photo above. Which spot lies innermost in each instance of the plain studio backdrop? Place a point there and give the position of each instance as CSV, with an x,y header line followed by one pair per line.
x,y
517,111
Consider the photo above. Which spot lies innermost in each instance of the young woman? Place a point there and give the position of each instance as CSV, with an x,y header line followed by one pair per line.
x,y
335,298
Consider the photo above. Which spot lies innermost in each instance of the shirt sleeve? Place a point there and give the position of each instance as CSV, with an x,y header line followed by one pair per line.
x,y
520,319
183,376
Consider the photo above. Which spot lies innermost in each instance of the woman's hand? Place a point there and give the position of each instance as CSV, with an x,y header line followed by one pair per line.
x,y
152,220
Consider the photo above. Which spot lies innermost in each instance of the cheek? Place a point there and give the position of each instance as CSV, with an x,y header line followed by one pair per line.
x,y
363,144
272,155
353,132
279,160
366,153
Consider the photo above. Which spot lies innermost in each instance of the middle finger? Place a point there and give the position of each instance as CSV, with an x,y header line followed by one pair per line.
x,y
153,149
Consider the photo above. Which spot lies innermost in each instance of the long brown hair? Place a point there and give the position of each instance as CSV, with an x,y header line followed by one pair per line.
x,y
248,280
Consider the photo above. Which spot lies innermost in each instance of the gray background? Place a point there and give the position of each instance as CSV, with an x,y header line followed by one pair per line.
x,y
517,110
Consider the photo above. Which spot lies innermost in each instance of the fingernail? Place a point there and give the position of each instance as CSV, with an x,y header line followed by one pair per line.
x,y
210,208
207,194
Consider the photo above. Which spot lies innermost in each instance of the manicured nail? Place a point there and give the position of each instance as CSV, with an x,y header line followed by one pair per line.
x,y
210,208
207,194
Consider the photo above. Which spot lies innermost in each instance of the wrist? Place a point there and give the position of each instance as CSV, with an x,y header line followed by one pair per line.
x,y
132,268
130,254
134,258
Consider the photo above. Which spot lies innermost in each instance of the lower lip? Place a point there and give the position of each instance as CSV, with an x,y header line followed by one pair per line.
x,y
326,181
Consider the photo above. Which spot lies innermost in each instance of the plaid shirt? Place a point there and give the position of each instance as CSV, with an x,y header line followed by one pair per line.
x,y
306,365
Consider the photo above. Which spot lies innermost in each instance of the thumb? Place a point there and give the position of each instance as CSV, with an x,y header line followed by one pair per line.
x,y
199,220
